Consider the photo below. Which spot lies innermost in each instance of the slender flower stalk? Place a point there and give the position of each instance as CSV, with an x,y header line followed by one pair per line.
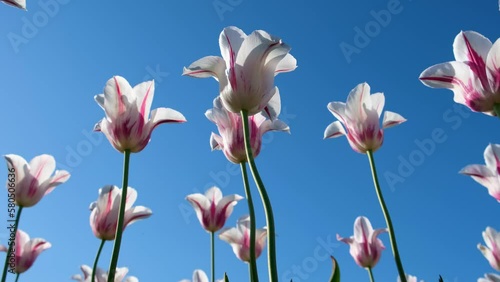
x,y
271,248
370,273
17,277
212,248
121,215
387,217
252,267
97,259
6,265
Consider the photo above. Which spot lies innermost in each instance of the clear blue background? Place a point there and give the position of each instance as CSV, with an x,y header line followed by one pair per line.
x,y
69,49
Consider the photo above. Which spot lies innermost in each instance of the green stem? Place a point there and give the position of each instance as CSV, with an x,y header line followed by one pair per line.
x,y
496,109
271,240
392,235
370,273
254,277
11,243
17,277
212,252
94,268
121,215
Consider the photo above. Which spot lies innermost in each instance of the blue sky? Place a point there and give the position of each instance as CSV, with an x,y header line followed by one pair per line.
x,y
59,54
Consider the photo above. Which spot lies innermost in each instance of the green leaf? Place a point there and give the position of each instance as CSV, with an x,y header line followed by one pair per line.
x,y
226,279
335,271
441,279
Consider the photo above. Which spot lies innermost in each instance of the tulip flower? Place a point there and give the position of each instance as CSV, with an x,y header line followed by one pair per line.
x,y
127,124
104,215
492,249
365,247
247,68
26,250
360,117
102,276
491,277
199,276
31,181
212,209
231,139
239,239
474,76
487,175
21,4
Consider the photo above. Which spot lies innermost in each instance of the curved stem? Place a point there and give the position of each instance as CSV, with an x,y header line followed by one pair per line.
x,y
496,109
271,242
370,273
254,277
212,252
11,243
392,235
121,215
94,268
17,277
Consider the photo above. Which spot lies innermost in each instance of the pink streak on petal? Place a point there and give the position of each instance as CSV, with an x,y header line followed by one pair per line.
x,y
477,64
232,77
121,106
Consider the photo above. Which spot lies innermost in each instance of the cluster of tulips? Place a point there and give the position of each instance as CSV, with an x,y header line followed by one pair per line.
x,y
248,106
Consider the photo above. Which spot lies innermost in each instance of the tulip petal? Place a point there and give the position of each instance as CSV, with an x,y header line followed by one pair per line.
x,y
41,167
230,235
338,109
59,177
480,173
216,142
287,64
362,229
21,4
117,97
136,213
358,100
199,276
493,67
20,166
455,76
144,98
492,158
209,66
335,129
131,197
273,108
230,41
378,101
214,194
164,115
199,202
392,119
472,47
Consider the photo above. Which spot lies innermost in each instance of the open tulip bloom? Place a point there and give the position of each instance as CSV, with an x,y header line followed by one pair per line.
x,y
21,4
104,215
102,276
491,277
247,68
492,249
212,209
474,76
26,250
127,124
239,239
34,180
231,139
365,247
360,117
409,278
487,175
